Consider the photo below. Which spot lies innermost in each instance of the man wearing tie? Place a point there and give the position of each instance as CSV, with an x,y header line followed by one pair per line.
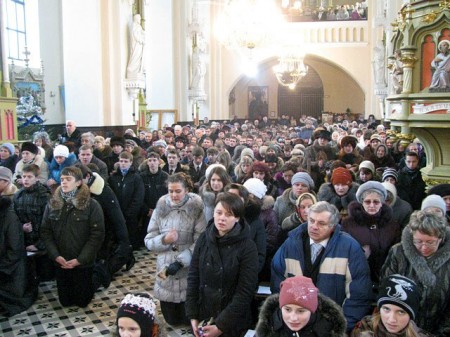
x,y
173,163
334,261
197,167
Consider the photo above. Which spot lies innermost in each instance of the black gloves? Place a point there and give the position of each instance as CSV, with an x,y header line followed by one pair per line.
x,y
173,268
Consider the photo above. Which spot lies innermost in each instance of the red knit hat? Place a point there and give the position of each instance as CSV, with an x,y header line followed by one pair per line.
x,y
341,176
299,290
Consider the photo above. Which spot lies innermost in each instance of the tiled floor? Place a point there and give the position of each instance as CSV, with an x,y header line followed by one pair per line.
x,y
47,318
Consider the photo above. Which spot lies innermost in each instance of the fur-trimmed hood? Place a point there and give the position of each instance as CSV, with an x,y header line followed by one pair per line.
x,y
193,204
97,185
80,201
330,320
357,212
5,203
9,191
267,202
426,268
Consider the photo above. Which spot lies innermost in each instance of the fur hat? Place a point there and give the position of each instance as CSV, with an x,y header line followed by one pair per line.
x,y
349,140
140,308
341,175
130,142
375,137
116,140
303,177
434,201
61,151
5,174
390,172
210,167
442,189
400,291
9,147
247,152
160,143
371,185
320,133
367,164
256,187
260,167
30,147
301,291
271,158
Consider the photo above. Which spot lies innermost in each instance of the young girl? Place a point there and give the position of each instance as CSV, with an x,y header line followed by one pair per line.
x,y
136,316
398,302
299,310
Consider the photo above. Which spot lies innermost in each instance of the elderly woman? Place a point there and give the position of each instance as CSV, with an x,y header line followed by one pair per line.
x,y
302,206
42,139
8,158
370,221
285,205
423,255
101,150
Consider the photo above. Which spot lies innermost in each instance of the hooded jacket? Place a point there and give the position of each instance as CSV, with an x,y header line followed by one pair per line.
x,y
328,320
431,276
73,229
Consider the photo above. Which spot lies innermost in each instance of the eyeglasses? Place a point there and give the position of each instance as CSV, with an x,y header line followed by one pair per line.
x,y
429,244
375,202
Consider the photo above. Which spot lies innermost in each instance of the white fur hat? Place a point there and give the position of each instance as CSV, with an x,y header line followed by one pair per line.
x,y
256,187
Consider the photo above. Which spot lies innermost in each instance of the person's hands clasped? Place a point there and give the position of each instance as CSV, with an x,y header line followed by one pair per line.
x,y
171,237
210,331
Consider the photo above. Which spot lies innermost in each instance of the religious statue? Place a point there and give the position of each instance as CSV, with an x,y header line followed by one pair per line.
x,y
379,65
396,71
441,66
135,65
198,68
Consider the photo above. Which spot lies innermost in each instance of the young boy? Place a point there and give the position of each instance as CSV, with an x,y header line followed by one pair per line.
x,y
129,189
73,231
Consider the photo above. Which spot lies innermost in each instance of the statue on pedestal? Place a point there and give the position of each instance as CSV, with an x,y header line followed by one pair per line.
x,y
396,70
441,66
135,65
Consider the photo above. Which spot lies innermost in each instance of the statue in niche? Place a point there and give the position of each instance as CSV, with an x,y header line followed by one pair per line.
x,y
379,65
198,67
135,65
441,66
396,70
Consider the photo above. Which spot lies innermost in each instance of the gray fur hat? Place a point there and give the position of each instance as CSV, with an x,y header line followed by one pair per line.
x,y
371,185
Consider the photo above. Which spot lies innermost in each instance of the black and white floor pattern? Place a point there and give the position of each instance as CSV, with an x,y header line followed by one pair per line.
x,y
48,318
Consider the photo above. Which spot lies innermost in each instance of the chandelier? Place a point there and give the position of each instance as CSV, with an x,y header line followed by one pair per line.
x,y
248,23
290,70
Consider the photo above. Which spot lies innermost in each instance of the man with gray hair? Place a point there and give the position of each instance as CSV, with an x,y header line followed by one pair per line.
x,y
331,258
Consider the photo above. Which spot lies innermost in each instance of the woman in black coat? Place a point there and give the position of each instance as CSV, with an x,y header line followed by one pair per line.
x,y
223,275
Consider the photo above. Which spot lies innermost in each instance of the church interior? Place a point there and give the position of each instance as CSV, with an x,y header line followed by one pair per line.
x,y
147,64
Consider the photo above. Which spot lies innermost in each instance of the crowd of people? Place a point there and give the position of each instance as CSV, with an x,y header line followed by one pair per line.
x,y
358,11
335,217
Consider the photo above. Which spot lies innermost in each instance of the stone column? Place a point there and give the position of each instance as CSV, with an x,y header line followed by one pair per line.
x,y
408,59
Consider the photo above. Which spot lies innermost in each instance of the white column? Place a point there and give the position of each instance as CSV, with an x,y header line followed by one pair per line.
x,y
5,69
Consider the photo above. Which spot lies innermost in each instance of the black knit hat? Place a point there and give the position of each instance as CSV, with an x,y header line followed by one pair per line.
x,y
141,308
400,291
116,140
442,190
30,147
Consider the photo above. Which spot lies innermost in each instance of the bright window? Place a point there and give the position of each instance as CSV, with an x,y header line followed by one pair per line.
x,y
15,29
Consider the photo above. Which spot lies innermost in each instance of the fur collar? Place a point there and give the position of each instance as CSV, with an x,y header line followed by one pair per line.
x,y
5,203
382,218
97,185
426,268
193,205
328,312
81,200
268,202
10,190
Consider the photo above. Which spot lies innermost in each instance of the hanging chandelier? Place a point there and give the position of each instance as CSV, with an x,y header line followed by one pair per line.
x,y
290,70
